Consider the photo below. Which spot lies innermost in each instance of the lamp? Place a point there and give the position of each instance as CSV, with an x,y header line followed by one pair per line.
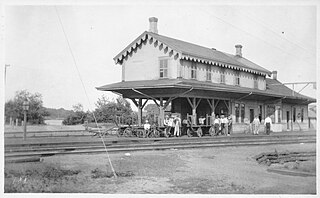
x,y
25,107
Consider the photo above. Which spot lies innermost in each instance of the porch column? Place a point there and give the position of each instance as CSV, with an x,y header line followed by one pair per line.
x,y
140,112
194,104
292,118
161,113
194,111
140,106
212,107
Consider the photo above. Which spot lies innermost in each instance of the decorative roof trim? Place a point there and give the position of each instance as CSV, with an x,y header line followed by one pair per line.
x,y
172,51
220,64
142,38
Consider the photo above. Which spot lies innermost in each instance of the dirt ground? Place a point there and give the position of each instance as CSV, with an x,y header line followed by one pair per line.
x,y
229,170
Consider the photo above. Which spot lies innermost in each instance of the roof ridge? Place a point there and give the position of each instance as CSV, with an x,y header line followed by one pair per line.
x,y
188,50
183,41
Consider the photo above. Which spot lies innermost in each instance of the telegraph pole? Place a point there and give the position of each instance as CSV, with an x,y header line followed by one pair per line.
x,y
5,73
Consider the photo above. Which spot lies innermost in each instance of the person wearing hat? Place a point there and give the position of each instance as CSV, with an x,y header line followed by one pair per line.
x,y
170,124
147,127
217,125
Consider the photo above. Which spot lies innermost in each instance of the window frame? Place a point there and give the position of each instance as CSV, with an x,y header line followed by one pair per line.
x,y
208,73
242,112
237,111
237,79
193,73
222,77
279,115
163,69
255,82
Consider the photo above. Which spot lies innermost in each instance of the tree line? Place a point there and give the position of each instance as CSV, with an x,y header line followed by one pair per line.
x,y
106,110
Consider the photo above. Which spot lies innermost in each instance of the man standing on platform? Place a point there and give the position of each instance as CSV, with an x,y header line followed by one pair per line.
x,y
224,125
256,124
268,124
177,125
217,125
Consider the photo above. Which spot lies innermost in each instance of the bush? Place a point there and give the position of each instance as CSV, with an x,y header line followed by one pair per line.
x,y
77,117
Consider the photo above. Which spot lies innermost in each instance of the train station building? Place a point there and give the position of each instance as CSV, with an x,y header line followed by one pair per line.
x,y
199,81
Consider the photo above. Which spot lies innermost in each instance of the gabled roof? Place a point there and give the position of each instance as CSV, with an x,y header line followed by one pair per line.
x,y
193,52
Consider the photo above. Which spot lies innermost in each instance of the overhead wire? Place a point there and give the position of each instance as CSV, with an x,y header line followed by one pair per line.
x,y
277,34
240,29
270,44
79,75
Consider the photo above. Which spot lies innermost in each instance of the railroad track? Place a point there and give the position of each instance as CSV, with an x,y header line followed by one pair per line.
x,y
131,145
48,134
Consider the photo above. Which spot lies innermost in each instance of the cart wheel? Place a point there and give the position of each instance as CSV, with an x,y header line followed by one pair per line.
x,y
166,134
156,133
140,133
119,132
211,131
149,134
199,132
127,132
189,133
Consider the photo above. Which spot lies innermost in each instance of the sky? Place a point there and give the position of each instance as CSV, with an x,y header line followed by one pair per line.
x,y
277,37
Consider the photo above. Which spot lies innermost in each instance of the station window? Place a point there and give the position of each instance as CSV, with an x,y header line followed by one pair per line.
x,y
271,112
222,77
279,114
237,111
302,114
255,82
237,79
163,68
294,114
242,112
208,73
193,71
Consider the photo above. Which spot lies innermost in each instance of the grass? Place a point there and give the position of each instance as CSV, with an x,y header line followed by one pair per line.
x,y
97,173
50,178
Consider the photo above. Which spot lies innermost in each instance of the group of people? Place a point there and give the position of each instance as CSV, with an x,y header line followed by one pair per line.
x,y
256,125
172,123
222,125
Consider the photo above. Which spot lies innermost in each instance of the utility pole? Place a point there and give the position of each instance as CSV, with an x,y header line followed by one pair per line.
x,y
25,107
5,73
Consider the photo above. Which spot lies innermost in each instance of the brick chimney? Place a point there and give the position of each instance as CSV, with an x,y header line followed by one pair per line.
x,y
274,75
153,23
239,50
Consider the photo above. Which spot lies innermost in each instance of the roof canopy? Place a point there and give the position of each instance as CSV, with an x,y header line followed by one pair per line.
x,y
176,87
193,52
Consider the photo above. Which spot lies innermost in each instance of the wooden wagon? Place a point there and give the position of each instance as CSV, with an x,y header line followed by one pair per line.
x,y
200,129
139,131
